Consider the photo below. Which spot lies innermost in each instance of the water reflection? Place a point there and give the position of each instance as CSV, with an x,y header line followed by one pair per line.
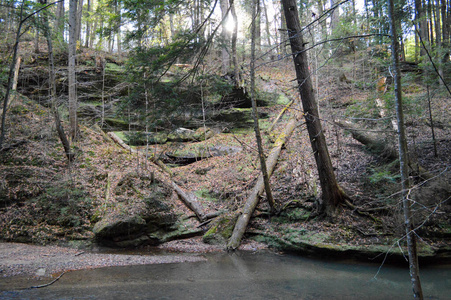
x,y
243,276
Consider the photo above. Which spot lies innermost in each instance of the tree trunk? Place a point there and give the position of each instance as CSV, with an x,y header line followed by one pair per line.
x,y
59,127
332,194
78,20
236,68
283,35
225,37
334,16
261,154
381,146
258,30
71,70
11,74
36,38
253,198
267,23
93,33
403,160
59,19
88,23
190,201
420,23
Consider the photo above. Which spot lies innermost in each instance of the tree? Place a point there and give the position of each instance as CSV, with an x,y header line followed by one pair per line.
x,y
73,132
236,70
225,37
11,72
59,128
88,23
332,194
59,18
261,154
403,159
78,20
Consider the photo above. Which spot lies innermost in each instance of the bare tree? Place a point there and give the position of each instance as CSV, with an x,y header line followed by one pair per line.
x,y
261,154
71,70
332,194
59,127
403,160
225,36
11,73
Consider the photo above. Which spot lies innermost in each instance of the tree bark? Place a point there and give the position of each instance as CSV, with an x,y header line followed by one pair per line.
x,y
334,16
332,194
236,69
9,85
267,23
420,23
59,127
403,161
190,201
254,197
78,21
71,70
59,19
261,155
88,23
225,36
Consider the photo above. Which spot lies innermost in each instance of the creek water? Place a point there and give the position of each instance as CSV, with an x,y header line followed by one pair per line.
x,y
244,276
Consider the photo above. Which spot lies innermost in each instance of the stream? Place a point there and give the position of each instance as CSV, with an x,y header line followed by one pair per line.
x,y
244,275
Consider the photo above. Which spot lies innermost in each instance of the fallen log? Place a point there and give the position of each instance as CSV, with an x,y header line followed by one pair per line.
x,y
190,201
370,139
281,113
381,146
187,198
120,142
254,197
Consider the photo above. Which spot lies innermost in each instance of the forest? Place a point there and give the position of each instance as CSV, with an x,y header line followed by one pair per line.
x,y
313,127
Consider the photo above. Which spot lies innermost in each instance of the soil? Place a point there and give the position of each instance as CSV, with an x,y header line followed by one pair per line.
x,y
47,202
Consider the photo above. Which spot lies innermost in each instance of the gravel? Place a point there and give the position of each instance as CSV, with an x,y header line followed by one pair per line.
x,y
43,261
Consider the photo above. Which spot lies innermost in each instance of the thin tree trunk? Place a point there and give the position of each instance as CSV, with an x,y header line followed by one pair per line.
x,y
190,201
225,36
267,23
253,198
11,75
59,22
71,70
431,120
78,21
420,23
403,161
236,69
93,33
36,38
334,16
258,30
59,127
332,194
261,154
88,23
16,73
283,34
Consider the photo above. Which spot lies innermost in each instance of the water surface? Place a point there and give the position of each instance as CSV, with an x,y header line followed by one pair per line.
x,y
244,276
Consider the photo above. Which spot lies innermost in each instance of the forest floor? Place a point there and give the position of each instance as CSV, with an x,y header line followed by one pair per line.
x,y
51,203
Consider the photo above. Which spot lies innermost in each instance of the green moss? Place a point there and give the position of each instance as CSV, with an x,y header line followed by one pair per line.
x,y
205,194
221,229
